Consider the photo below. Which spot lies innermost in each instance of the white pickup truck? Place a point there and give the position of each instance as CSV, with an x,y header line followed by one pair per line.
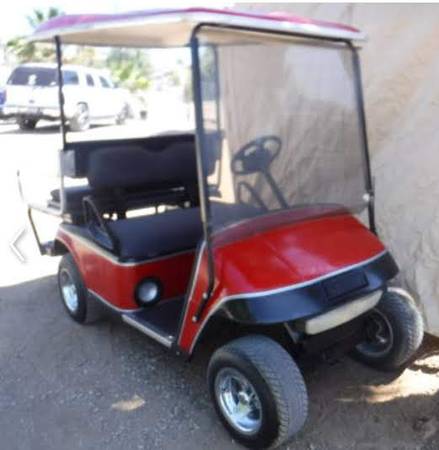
x,y
90,96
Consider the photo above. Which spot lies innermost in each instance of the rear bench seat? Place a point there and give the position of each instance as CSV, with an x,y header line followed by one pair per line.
x,y
120,170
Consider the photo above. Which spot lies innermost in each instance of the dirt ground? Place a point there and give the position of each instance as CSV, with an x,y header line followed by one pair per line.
x,y
106,386
67,386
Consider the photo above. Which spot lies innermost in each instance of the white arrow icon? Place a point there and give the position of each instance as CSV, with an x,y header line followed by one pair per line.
x,y
13,245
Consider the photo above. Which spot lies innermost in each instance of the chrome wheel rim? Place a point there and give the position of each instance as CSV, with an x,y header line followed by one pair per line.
x,y
69,293
82,115
238,401
380,337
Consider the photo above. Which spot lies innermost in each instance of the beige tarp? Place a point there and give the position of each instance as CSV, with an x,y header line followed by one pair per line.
x,y
401,72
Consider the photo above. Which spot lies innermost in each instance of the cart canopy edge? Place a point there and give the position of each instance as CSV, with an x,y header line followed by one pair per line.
x,y
173,27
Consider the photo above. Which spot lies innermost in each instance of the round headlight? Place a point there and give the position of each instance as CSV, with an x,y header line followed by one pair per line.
x,y
148,292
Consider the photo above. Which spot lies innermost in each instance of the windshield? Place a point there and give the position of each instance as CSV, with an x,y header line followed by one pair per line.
x,y
40,76
290,131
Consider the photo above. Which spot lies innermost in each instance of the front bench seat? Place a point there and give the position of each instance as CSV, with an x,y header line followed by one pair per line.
x,y
170,232
157,235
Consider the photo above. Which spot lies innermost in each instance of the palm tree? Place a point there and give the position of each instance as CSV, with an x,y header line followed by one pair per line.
x,y
29,51
38,16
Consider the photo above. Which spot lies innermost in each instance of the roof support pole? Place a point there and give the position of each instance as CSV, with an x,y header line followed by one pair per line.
x,y
60,90
362,117
202,178
62,195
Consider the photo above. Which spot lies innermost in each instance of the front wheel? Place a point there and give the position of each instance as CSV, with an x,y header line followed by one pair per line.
x,y
258,391
394,333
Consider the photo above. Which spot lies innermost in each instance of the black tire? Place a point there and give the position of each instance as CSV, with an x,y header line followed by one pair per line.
x,y
399,331
26,124
86,310
277,381
81,120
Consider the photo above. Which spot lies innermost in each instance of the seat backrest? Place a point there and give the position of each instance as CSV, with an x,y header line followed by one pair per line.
x,y
132,166
131,177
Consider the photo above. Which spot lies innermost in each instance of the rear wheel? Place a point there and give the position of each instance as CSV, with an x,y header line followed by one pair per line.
x,y
258,391
26,124
74,294
81,119
394,332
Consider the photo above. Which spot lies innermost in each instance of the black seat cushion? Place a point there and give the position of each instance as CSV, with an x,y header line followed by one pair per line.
x,y
159,234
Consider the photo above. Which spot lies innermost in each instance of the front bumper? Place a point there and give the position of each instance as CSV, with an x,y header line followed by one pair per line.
x,y
34,112
339,315
313,298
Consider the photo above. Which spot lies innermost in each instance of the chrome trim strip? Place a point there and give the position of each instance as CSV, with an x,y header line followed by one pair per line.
x,y
166,341
306,283
192,288
110,305
112,258
277,291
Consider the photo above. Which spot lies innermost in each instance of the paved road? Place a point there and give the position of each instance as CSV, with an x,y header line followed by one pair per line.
x,y
106,386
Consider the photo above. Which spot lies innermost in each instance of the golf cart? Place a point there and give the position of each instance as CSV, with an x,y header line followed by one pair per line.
x,y
259,225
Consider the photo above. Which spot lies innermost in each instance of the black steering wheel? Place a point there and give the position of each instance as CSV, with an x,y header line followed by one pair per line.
x,y
256,156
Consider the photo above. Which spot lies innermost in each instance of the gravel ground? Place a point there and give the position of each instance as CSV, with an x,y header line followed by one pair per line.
x,y
67,386
106,386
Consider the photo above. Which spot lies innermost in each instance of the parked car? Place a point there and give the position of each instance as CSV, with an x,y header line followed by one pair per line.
x,y
90,96
2,101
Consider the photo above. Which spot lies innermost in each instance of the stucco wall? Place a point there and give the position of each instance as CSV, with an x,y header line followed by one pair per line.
x,y
400,73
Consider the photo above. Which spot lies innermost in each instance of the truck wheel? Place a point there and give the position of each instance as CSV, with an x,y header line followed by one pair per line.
x,y
258,391
121,118
73,292
81,120
26,124
394,333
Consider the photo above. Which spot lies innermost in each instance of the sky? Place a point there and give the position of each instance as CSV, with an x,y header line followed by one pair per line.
x,y
13,20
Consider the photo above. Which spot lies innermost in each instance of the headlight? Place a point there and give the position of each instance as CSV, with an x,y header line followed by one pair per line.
x,y
148,292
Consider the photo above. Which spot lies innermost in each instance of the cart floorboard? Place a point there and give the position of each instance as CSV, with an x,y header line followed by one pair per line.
x,y
159,322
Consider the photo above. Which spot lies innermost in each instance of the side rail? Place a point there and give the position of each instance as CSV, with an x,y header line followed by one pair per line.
x,y
45,248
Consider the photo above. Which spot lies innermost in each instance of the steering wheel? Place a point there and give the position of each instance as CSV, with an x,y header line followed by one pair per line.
x,y
256,156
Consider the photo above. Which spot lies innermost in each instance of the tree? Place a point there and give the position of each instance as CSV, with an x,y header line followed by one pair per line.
x,y
29,51
38,16
130,68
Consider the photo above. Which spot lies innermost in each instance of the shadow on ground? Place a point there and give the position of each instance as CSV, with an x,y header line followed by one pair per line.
x,y
40,130
63,385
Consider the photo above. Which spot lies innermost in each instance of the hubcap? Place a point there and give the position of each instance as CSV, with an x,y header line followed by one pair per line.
x,y
82,115
69,292
379,336
238,401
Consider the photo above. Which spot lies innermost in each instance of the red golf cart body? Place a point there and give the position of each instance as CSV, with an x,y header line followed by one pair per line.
x,y
261,222
272,269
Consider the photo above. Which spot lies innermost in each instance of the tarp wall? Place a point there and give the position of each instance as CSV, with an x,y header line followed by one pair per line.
x,y
401,82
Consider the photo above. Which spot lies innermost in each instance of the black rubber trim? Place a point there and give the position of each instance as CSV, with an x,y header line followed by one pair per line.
x,y
308,300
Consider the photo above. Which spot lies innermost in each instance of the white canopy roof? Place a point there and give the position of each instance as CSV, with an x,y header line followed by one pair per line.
x,y
173,27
